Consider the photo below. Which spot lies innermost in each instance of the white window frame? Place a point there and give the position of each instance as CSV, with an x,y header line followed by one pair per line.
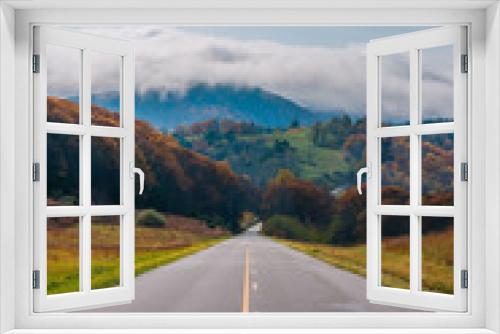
x,y
483,19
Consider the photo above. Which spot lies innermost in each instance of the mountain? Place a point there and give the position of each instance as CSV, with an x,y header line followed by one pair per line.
x,y
203,102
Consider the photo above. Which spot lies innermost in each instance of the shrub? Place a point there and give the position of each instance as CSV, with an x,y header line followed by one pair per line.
x,y
288,227
151,218
344,231
213,221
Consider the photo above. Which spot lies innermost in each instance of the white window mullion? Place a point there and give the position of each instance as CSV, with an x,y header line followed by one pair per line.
x,y
127,221
85,174
421,210
80,211
85,249
80,130
372,159
123,174
65,211
103,131
420,129
77,129
415,261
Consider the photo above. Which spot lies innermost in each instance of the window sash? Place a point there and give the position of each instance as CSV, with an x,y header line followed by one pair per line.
x,y
85,297
412,43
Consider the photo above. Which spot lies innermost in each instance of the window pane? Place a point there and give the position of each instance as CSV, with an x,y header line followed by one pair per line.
x,y
395,252
105,252
395,157
63,84
395,89
105,171
437,84
63,255
437,254
437,169
63,166
106,72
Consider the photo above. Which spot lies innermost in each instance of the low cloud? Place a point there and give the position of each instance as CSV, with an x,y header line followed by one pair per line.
x,y
172,60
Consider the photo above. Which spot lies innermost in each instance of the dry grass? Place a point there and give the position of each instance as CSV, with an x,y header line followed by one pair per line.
x,y
154,247
396,262
437,262
437,259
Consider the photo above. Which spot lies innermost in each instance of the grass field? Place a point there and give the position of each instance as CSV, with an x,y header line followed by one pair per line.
x,y
154,247
437,260
315,161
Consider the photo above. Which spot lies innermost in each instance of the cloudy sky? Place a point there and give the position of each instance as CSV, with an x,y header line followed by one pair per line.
x,y
322,68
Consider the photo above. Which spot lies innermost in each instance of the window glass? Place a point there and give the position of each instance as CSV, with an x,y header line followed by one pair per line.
x,y
63,84
437,254
395,89
395,252
106,89
63,169
437,169
395,172
105,252
105,175
437,84
63,255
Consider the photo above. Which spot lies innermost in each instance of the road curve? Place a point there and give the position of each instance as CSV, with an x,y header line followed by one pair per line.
x,y
275,277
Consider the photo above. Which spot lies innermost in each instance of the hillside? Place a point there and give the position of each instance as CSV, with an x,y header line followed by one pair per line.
x,y
203,102
261,152
175,176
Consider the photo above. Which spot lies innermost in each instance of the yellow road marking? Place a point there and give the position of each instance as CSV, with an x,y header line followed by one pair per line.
x,y
245,305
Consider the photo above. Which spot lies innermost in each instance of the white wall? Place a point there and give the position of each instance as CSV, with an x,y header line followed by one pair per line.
x,y
492,172
6,167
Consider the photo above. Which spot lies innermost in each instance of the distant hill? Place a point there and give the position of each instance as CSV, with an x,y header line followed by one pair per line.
x,y
203,102
260,153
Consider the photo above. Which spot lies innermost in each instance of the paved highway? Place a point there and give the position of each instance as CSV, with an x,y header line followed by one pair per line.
x,y
249,273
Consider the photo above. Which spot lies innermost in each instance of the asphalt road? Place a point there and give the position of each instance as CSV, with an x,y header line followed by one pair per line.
x,y
249,273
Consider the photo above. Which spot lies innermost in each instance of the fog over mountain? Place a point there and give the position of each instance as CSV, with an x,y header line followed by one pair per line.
x,y
203,102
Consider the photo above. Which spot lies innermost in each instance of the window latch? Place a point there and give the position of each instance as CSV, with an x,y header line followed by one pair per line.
x,y
359,174
134,170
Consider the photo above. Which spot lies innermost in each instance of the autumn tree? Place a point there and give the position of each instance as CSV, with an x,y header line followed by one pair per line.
x,y
289,195
178,180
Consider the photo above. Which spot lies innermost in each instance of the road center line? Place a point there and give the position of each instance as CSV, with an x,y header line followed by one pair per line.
x,y
245,305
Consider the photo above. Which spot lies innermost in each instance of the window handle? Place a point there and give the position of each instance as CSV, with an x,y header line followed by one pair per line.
x,y
134,170
361,171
